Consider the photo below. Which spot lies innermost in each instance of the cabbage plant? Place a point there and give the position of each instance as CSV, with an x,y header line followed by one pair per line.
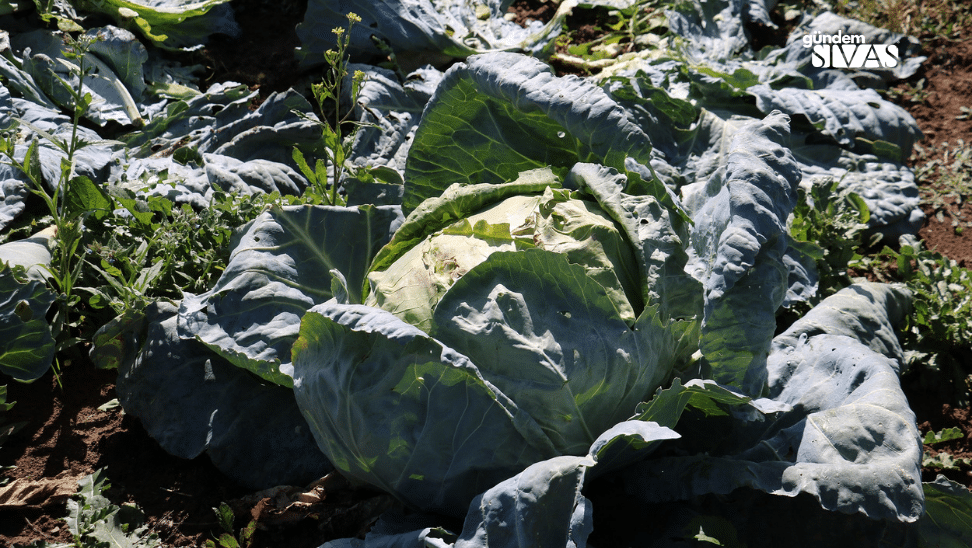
x,y
566,310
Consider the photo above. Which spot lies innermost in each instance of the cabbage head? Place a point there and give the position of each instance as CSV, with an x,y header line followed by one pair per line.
x,y
504,324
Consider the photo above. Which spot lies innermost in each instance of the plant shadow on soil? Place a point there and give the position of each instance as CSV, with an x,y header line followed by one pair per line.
x,y
67,435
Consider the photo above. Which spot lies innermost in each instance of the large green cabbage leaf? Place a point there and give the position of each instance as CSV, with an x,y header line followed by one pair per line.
x,y
192,401
473,127
288,260
440,29
836,426
738,244
171,24
375,391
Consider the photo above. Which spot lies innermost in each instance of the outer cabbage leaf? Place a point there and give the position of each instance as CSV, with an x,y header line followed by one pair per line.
x,y
844,115
473,127
16,78
56,75
196,185
220,121
192,401
837,426
541,506
445,28
394,408
14,191
947,522
887,187
122,51
548,335
391,112
711,31
867,312
287,261
28,348
738,245
172,24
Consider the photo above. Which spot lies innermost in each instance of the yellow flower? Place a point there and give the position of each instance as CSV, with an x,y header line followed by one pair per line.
x,y
354,17
338,30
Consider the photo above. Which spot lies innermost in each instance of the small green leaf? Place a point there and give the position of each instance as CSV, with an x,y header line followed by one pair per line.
x,y
225,517
946,434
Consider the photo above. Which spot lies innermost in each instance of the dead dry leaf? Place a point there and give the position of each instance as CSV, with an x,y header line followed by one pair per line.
x,y
39,492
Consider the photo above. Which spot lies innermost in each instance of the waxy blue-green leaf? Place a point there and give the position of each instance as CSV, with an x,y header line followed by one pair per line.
x,y
738,244
278,270
473,128
27,351
541,506
845,115
947,521
837,426
549,336
57,75
192,401
394,408
220,121
390,111
868,312
438,30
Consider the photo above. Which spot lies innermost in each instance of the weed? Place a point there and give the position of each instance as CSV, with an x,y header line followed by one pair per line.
x,y
613,33
910,93
946,181
829,225
72,201
94,522
327,93
225,517
926,19
938,332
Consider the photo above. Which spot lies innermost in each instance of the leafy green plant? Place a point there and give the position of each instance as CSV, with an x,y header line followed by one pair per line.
x,y
829,224
946,181
71,202
938,333
150,249
95,522
327,94
911,93
946,434
225,518
615,32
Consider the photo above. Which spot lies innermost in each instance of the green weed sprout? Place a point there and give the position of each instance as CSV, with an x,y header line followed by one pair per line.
x,y
224,514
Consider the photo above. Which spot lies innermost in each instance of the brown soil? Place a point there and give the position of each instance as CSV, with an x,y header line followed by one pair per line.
x,y
948,83
532,10
947,75
67,436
